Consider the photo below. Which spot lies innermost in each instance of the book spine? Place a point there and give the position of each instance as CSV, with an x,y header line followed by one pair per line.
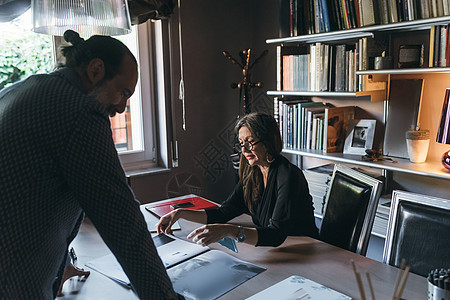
x,y
291,17
294,72
299,125
433,8
345,14
314,134
325,130
446,3
440,8
294,126
405,10
437,37
317,16
384,11
326,19
320,139
351,15
447,47
431,50
340,68
443,43
358,13
312,64
393,15
279,68
319,69
312,17
424,9
410,10
325,61
295,20
367,14
400,11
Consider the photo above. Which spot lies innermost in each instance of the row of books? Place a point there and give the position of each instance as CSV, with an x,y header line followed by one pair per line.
x,y
439,46
312,125
319,179
316,16
320,67
380,223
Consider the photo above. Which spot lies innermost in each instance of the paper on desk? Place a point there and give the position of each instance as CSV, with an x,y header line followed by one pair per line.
x,y
202,273
110,267
171,250
298,287
211,275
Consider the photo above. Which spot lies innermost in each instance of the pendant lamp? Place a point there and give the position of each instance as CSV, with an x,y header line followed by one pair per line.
x,y
87,17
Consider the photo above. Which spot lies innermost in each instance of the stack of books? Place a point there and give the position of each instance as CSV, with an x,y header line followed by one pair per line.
x,y
319,182
380,222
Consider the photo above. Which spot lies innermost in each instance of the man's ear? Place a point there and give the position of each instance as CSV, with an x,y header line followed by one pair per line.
x,y
95,71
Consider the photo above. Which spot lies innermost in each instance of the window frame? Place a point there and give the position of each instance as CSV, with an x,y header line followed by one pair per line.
x,y
155,38
145,158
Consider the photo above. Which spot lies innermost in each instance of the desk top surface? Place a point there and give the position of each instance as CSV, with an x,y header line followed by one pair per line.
x,y
304,256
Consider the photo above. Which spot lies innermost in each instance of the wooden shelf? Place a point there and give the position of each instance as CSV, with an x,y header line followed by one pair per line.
x,y
433,169
349,34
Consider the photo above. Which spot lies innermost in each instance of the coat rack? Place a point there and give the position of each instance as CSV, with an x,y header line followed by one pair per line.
x,y
246,84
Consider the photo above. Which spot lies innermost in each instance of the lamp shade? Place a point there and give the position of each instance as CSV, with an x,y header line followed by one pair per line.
x,y
87,17
443,135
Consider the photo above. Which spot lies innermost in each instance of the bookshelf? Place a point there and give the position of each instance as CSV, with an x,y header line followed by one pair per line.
x,y
346,35
377,84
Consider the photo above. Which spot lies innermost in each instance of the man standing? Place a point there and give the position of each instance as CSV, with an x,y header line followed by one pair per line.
x,y
58,160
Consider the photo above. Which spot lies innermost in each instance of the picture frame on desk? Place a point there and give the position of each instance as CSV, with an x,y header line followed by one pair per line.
x,y
360,136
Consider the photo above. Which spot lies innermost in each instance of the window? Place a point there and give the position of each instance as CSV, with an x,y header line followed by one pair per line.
x,y
22,52
132,133
133,130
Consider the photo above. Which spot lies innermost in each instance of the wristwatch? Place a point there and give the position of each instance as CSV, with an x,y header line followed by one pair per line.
x,y
241,235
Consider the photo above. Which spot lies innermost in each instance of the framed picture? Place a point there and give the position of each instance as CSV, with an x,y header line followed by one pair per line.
x,y
360,135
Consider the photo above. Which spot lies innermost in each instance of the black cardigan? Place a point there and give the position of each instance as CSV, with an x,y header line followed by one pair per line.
x,y
285,208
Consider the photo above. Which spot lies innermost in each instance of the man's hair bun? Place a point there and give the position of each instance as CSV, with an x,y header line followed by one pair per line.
x,y
73,37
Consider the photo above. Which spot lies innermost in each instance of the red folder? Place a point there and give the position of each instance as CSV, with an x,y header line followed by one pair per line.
x,y
160,209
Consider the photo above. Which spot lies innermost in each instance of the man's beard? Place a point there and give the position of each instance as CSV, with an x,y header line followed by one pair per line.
x,y
100,93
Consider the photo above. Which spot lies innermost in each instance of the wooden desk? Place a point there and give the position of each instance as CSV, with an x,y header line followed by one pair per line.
x,y
307,257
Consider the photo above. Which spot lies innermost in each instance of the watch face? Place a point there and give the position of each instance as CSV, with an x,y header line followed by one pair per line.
x,y
241,238
241,235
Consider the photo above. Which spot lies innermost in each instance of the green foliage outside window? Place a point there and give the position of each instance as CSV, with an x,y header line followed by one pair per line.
x,y
22,52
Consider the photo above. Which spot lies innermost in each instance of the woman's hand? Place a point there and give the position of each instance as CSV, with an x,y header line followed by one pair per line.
x,y
212,233
165,222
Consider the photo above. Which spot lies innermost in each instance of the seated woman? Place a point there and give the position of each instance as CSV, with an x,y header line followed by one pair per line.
x,y
271,189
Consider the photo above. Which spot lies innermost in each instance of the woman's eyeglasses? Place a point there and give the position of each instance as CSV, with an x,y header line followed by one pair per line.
x,y
247,145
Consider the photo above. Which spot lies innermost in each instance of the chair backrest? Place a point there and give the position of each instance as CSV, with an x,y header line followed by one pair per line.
x,y
351,204
419,232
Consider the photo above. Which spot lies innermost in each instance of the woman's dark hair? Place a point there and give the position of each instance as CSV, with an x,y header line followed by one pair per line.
x,y
264,128
110,50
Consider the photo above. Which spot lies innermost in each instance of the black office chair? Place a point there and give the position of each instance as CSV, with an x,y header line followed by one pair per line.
x,y
351,205
419,232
